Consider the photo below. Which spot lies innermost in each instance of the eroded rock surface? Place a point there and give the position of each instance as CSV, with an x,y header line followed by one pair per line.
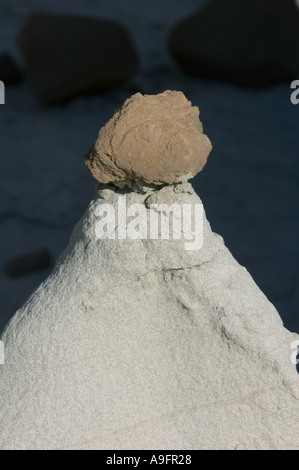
x,y
151,139
140,344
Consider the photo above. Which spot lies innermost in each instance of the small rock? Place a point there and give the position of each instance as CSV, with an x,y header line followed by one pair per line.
x,y
151,139
67,56
24,264
249,42
10,73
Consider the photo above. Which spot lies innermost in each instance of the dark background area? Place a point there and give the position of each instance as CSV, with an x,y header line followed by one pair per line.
x,y
249,186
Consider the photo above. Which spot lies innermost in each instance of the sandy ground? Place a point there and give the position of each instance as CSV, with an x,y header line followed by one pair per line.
x,y
249,186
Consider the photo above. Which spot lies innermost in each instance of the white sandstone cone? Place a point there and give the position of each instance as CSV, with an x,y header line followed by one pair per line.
x,y
142,344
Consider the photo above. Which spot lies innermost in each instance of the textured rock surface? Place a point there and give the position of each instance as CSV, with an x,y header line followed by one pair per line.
x,y
150,139
142,344
251,42
67,55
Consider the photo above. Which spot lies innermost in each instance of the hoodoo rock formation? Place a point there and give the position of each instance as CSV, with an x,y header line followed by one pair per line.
x,y
138,343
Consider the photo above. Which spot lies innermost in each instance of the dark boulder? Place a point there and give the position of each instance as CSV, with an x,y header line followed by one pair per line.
x,y
10,72
67,56
249,42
